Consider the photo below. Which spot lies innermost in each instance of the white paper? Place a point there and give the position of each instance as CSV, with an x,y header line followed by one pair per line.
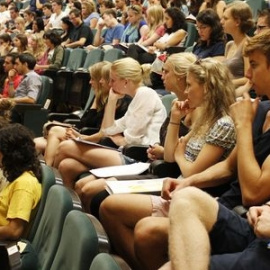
x,y
131,169
134,186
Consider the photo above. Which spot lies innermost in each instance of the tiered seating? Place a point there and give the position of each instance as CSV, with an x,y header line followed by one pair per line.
x,y
35,115
105,261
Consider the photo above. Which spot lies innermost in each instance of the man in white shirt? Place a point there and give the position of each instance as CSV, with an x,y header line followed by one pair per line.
x,y
58,14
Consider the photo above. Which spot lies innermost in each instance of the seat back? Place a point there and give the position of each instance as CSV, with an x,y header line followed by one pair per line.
x,y
47,181
167,101
112,54
67,52
93,57
192,34
58,205
79,243
76,59
105,261
46,91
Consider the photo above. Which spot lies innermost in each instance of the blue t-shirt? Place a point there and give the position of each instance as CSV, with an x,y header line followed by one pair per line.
x,y
113,33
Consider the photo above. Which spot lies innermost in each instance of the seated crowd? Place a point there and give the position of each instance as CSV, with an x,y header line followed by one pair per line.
x,y
215,133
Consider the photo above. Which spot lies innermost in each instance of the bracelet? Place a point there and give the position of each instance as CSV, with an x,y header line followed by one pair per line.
x,y
174,123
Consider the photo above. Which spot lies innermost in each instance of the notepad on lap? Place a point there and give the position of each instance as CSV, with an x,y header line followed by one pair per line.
x,y
134,186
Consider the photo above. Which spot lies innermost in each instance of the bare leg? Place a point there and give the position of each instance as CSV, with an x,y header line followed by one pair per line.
x,y
40,144
55,136
119,215
82,182
69,170
91,189
151,233
92,157
192,215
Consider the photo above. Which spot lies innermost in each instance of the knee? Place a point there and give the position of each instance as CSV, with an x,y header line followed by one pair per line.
x,y
187,196
144,232
192,201
64,166
56,131
106,209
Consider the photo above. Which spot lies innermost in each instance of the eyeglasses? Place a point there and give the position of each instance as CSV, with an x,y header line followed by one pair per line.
x,y
202,27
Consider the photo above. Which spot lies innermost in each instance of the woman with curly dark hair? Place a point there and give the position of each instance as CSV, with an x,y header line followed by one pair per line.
x,y
21,168
211,41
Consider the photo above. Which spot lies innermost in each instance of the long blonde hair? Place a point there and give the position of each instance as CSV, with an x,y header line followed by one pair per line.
x,y
98,71
215,78
128,68
156,12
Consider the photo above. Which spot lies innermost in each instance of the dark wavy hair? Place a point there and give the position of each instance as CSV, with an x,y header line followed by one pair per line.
x,y
178,18
210,18
53,37
18,150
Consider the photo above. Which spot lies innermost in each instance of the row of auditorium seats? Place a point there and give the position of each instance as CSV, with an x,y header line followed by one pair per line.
x,y
62,236
71,82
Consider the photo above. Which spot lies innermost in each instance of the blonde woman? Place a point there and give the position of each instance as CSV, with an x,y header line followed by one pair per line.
x,y
237,21
136,27
19,25
36,45
155,18
174,78
140,124
100,84
210,140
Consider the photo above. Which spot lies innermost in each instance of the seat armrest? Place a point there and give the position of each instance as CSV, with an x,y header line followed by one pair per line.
x,y
25,107
74,122
164,169
61,117
137,152
89,131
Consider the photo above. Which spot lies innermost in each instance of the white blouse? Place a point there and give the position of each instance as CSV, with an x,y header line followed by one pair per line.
x,y
143,119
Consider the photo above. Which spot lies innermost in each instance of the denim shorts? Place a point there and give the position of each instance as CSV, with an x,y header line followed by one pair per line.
x,y
127,160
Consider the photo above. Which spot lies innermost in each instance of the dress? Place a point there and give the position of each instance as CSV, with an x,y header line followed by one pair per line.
x,y
19,198
29,86
143,119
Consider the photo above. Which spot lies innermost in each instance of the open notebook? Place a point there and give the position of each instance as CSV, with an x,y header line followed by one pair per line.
x,y
134,186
